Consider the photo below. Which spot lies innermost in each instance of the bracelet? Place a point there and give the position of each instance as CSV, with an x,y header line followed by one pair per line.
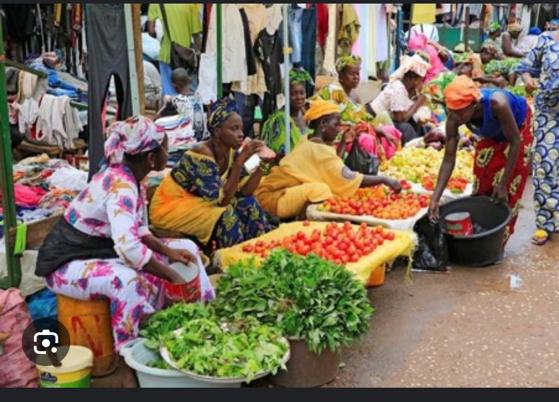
x,y
264,166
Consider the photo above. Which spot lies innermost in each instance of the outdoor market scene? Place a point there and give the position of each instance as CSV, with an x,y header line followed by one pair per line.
x,y
266,195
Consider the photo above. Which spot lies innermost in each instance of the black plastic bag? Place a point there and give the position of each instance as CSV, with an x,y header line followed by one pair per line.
x,y
431,253
361,161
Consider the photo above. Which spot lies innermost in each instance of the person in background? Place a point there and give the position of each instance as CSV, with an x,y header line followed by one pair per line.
x,y
313,171
504,123
494,40
429,30
185,27
402,97
529,41
108,248
152,85
179,103
274,130
209,194
542,63
420,43
508,40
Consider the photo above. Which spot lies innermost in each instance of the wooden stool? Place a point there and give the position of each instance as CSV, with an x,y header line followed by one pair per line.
x,y
89,324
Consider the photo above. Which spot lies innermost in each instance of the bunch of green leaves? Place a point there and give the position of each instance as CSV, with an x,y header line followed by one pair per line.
x,y
519,90
240,349
307,297
168,320
501,67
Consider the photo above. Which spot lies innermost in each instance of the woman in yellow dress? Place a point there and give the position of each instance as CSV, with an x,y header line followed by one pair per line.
x,y
209,194
314,170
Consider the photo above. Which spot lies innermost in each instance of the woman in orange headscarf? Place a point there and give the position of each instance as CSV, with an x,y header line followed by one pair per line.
x,y
502,120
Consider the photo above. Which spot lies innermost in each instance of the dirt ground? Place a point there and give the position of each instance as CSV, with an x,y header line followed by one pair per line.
x,y
470,327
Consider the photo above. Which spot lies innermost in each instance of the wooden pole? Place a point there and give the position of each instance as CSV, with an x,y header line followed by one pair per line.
x,y
219,32
286,65
137,26
466,29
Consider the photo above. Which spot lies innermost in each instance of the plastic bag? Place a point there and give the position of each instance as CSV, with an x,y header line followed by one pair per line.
x,y
360,161
431,253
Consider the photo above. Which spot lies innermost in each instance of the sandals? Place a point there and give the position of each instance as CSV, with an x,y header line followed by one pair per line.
x,y
540,237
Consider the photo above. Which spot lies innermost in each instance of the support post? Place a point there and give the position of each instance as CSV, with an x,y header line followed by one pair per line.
x,y
286,65
133,75
138,52
219,31
6,179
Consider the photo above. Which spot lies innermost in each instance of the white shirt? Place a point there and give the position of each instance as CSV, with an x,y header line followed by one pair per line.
x,y
428,30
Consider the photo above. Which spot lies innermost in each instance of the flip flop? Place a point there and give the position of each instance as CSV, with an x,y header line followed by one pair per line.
x,y
540,237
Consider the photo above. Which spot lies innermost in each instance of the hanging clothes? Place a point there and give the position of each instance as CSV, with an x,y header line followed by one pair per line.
x,y
251,62
330,48
349,30
423,13
296,33
268,50
106,41
321,24
234,65
381,28
308,45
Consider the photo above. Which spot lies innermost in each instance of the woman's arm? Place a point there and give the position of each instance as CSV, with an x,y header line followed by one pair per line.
x,y
232,184
250,187
370,181
509,49
447,166
405,116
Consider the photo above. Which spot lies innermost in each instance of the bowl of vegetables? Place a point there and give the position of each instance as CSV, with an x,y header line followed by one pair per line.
x,y
210,351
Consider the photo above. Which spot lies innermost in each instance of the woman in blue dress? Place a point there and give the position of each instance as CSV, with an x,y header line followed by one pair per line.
x,y
543,62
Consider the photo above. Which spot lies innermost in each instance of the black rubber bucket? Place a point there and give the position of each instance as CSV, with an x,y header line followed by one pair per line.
x,y
480,249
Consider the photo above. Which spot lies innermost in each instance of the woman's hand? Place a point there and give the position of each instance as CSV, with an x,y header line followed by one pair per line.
x,y
349,135
250,148
530,85
182,256
433,211
393,184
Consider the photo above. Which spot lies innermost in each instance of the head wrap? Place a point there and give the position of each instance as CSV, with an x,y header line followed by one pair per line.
x,y
514,27
415,63
494,27
554,23
346,61
534,31
320,108
461,93
473,59
220,111
132,136
299,76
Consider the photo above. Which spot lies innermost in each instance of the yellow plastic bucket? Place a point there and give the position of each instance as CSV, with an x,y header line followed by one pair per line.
x,y
75,371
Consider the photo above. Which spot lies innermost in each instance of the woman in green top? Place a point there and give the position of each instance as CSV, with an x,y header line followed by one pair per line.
x,y
274,130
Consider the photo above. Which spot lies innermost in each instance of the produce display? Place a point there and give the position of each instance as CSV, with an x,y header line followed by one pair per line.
x,y
501,67
200,342
306,297
416,164
455,185
380,202
336,242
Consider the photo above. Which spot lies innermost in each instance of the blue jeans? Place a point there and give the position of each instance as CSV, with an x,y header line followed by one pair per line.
x,y
296,33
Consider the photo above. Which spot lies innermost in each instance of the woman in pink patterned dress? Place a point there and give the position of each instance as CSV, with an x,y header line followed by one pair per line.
x,y
108,249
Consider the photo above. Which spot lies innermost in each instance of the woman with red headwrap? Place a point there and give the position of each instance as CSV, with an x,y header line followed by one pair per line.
x,y
503,121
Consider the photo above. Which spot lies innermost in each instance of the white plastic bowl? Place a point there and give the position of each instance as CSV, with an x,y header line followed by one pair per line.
x,y
137,356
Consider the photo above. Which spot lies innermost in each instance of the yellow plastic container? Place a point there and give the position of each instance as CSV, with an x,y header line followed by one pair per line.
x,y
377,277
75,371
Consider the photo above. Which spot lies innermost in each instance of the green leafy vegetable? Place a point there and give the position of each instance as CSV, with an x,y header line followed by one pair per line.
x,y
307,297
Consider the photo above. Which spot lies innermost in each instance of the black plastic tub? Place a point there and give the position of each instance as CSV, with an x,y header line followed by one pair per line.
x,y
480,249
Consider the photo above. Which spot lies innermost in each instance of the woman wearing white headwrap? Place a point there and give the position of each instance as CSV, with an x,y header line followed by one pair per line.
x,y
103,247
402,97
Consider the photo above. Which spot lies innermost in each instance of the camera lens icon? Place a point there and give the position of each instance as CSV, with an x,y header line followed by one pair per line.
x,y
46,341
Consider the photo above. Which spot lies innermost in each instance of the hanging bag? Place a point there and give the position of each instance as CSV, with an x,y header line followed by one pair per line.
x,y
361,161
181,56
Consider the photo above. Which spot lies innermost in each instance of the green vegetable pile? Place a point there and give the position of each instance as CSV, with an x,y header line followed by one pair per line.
x,y
519,90
306,297
241,350
501,67
208,345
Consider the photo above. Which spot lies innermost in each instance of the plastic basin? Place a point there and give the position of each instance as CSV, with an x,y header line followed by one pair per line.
x,y
137,356
481,249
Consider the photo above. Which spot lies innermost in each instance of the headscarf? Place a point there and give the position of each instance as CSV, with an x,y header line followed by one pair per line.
x,y
494,27
346,61
461,93
414,63
420,42
132,136
554,23
535,31
474,60
299,76
220,111
514,27
320,108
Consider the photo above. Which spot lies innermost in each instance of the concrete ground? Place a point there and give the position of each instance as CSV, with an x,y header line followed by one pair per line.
x,y
470,327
